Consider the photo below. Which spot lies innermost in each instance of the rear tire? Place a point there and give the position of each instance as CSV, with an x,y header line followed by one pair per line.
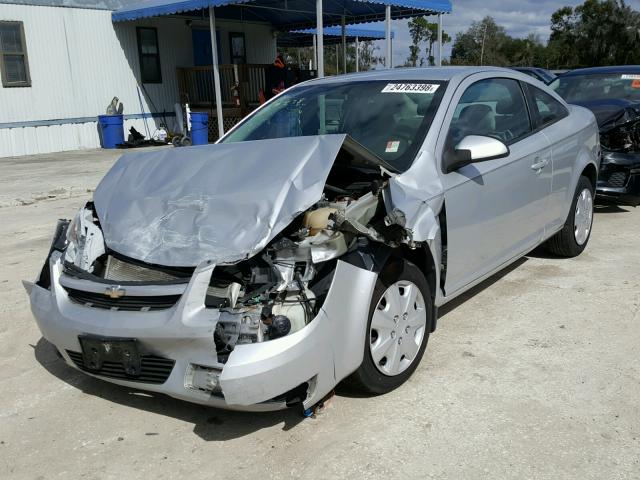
x,y
400,317
574,236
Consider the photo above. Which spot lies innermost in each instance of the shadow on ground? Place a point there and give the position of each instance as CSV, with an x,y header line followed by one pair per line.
x,y
610,208
210,424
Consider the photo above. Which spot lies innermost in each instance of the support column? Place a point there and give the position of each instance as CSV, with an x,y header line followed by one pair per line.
x,y
315,52
439,40
319,34
387,28
216,71
357,55
344,47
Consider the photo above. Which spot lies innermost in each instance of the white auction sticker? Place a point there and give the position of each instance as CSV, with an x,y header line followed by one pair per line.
x,y
630,77
410,88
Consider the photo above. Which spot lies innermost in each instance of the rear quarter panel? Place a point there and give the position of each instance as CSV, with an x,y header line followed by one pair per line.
x,y
575,143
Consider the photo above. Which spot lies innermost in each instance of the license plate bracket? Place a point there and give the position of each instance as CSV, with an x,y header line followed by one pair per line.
x,y
98,350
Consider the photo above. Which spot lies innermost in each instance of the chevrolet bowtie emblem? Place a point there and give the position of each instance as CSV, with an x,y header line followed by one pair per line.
x,y
115,292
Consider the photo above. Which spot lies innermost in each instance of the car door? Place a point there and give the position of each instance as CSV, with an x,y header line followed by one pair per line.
x,y
551,117
496,209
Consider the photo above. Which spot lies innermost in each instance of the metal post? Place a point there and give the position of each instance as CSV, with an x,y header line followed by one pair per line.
x,y
216,71
315,52
319,34
387,28
337,61
439,40
344,47
391,52
357,55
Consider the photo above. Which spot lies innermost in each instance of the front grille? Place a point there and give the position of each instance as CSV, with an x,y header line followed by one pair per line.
x,y
152,369
128,303
615,179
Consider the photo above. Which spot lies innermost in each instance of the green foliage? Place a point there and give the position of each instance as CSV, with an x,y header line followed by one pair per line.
x,y
421,30
598,32
595,33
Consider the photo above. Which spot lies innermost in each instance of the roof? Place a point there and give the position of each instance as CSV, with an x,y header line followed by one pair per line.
x,y
88,4
424,74
286,14
332,35
603,70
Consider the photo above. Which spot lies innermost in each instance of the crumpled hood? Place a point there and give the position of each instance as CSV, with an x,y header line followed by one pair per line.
x,y
223,202
611,112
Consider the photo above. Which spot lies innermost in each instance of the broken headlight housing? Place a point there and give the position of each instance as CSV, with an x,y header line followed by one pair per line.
x,y
85,242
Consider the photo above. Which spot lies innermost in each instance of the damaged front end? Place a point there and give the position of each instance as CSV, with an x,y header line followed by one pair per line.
x,y
250,293
619,176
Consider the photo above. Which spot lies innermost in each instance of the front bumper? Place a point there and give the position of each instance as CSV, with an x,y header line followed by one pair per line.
x,y
619,178
321,354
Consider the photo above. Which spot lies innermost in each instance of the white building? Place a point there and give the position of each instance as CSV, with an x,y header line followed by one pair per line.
x,y
62,61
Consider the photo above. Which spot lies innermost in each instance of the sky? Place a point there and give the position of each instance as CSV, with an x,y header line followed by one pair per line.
x,y
518,17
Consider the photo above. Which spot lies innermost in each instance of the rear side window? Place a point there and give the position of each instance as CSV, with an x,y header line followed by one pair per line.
x,y
546,109
494,107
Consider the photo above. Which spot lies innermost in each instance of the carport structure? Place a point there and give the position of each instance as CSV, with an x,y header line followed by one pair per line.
x,y
332,36
288,15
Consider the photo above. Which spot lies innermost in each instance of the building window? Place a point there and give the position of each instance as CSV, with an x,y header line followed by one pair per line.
x,y
237,47
14,64
149,54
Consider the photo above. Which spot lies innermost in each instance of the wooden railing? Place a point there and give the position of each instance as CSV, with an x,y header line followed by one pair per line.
x,y
196,85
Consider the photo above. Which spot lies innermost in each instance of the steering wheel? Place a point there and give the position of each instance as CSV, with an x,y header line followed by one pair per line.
x,y
508,135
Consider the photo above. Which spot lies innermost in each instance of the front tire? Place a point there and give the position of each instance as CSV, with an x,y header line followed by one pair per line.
x,y
574,236
400,317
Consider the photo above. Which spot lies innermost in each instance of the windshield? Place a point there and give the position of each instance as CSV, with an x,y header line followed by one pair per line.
x,y
389,119
586,88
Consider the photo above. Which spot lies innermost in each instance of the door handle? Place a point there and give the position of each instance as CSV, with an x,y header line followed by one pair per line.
x,y
538,164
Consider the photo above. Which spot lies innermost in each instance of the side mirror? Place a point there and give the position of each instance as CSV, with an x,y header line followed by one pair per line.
x,y
474,148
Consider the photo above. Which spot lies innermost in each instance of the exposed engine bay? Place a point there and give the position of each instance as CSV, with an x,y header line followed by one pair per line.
x,y
280,289
621,132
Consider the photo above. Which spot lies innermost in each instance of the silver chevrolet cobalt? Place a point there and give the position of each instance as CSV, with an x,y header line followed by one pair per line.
x,y
315,242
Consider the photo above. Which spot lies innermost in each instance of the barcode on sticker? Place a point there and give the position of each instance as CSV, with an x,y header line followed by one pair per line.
x,y
410,88
630,77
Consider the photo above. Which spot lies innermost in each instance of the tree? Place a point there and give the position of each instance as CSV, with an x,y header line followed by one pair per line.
x,y
598,32
421,30
481,44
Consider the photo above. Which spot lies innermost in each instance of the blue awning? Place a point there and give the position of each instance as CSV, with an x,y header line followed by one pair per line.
x,y
332,36
285,14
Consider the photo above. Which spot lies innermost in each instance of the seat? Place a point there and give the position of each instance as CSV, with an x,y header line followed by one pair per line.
x,y
476,119
512,119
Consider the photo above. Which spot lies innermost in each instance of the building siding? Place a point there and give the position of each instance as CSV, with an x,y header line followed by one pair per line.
x,y
79,60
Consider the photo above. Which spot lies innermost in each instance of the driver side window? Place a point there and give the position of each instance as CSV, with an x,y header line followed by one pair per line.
x,y
494,107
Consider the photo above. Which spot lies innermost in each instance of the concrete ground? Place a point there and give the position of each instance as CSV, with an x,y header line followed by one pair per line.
x,y
534,374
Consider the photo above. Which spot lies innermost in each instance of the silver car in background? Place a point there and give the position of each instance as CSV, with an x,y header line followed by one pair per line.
x,y
315,242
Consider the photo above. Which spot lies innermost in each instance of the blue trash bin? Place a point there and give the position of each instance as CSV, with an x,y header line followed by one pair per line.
x,y
111,130
199,128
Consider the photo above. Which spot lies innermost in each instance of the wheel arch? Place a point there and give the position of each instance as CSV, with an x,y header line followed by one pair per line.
x,y
591,172
423,259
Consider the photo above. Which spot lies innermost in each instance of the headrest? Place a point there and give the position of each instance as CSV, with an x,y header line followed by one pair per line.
x,y
422,108
475,113
504,106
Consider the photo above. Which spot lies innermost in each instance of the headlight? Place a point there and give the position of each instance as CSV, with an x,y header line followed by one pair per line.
x,y
85,241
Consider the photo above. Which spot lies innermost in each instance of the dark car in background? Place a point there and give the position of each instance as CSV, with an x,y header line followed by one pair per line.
x,y
545,76
613,95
